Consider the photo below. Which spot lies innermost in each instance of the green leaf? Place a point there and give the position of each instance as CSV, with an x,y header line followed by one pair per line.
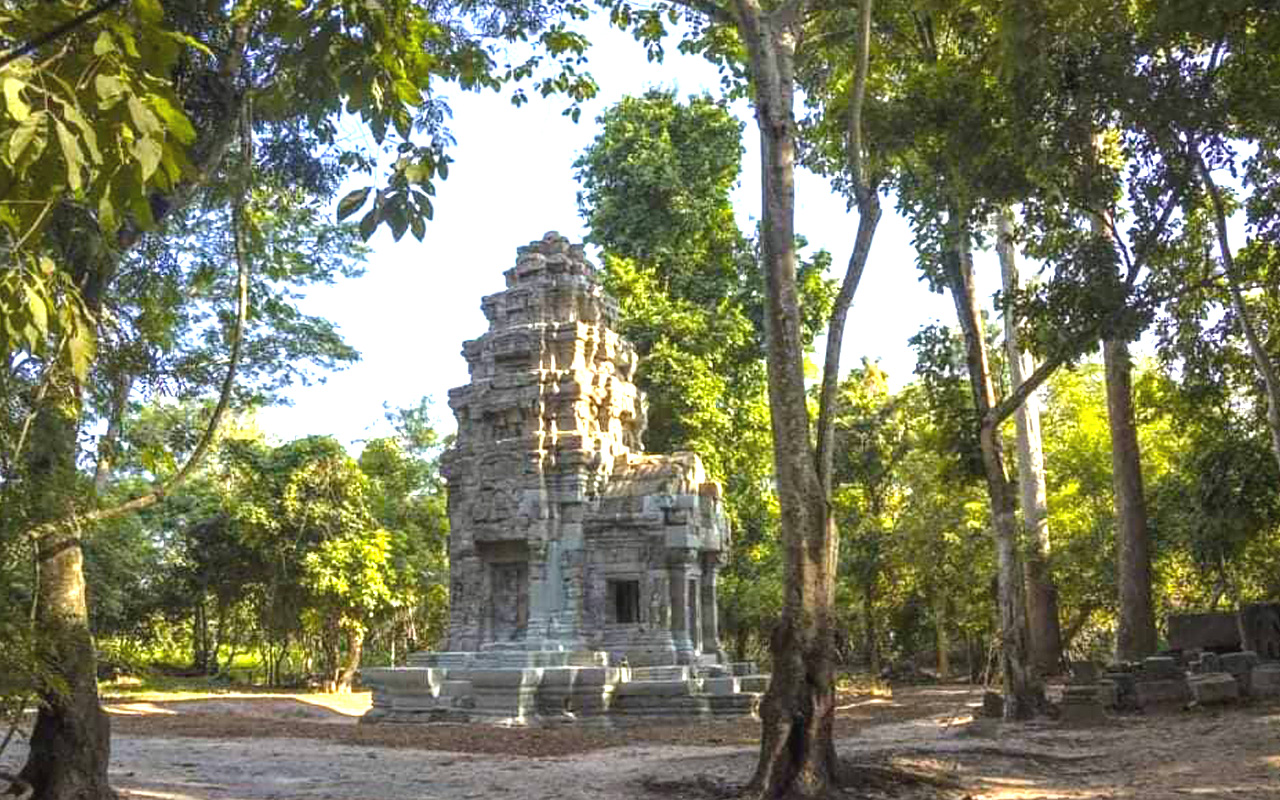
x,y
174,120
38,310
147,151
107,217
109,89
72,154
18,109
143,119
104,44
31,133
369,223
74,116
149,10
80,348
352,203
398,219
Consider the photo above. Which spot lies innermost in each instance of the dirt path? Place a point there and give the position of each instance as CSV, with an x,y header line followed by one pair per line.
x,y
264,748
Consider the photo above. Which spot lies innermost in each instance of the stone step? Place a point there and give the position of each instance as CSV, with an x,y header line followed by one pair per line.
x,y
666,673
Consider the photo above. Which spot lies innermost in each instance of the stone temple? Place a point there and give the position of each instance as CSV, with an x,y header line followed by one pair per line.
x,y
582,570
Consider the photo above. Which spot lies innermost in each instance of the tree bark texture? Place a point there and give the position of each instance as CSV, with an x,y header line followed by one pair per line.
x,y
351,664
872,644
1136,628
941,640
1021,694
1042,593
1136,631
797,752
70,745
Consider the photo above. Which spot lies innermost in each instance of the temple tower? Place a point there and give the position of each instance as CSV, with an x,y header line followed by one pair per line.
x,y
564,535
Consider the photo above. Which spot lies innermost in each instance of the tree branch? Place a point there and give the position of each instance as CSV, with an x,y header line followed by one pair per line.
x,y
57,32
1261,359
1006,407
228,382
868,202
710,9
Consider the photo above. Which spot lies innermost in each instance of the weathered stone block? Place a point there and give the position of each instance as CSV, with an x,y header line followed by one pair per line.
x,y
1160,668
656,689
1214,688
1265,680
1080,706
1084,672
1156,693
1108,693
1241,665
1214,631
721,686
1207,662
992,704
662,673
1260,625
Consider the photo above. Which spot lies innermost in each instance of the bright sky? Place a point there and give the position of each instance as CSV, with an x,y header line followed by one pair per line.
x,y
511,182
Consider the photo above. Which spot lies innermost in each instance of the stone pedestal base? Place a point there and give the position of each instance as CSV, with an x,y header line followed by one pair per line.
x,y
523,687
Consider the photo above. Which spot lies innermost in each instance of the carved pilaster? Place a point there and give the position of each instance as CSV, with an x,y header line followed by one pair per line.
x,y
680,565
710,605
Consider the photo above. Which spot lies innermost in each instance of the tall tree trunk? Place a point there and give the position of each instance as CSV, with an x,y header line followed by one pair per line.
x,y
70,744
797,752
1136,631
872,646
355,647
941,640
1042,594
1136,628
1020,689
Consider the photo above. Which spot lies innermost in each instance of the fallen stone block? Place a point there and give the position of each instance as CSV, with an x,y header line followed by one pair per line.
x,y
1214,688
1159,668
1084,672
1240,665
1152,694
1108,693
992,705
1265,680
1126,692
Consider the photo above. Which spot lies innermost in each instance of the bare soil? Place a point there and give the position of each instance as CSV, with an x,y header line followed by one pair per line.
x,y
264,747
